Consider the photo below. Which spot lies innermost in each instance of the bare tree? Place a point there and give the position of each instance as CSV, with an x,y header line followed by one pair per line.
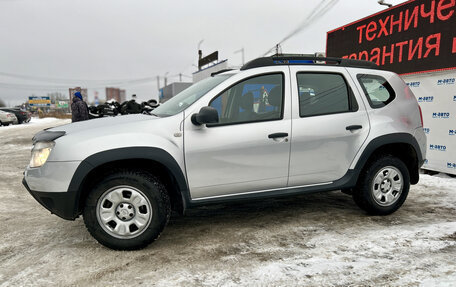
x,y
2,103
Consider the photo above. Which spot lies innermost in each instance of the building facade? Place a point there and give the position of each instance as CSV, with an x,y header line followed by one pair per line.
x,y
171,90
116,94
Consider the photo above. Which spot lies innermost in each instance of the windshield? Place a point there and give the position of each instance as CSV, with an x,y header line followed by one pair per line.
x,y
179,102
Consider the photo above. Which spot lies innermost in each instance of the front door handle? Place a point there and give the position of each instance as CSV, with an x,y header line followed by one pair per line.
x,y
277,135
354,127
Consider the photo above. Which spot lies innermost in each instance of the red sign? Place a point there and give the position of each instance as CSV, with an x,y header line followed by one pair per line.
x,y
412,37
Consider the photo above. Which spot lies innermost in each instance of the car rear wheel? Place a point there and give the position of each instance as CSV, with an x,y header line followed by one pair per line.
x,y
383,186
127,210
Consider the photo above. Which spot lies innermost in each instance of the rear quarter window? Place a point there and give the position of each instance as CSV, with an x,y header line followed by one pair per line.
x,y
378,91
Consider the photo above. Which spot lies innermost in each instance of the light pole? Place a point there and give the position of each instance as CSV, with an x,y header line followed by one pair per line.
x,y
199,43
242,52
200,53
166,79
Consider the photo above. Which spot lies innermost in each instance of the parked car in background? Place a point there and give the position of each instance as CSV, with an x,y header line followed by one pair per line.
x,y
15,120
22,116
7,118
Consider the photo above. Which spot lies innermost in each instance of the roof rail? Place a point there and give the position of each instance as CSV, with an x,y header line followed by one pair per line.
x,y
307,60
220,71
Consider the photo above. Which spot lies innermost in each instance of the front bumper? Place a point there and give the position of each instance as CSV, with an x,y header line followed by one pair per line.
x,y
49,185
62,204
52,176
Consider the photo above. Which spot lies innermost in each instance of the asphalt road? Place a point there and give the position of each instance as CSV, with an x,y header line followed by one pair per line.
x,y
314,240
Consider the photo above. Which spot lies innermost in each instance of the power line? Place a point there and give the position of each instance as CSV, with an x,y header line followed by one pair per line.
x,y
317,12
61,83
50,79
62,87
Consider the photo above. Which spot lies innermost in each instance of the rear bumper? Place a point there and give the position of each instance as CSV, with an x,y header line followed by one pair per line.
x,y
61,204
420,137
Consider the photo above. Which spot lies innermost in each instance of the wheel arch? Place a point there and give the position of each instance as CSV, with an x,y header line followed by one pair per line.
x,y
401,145
154,160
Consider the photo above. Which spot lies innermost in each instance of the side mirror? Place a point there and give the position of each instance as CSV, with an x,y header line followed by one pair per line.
x,y
207,115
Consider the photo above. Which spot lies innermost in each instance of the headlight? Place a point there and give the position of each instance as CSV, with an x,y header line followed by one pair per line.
x,y
40,153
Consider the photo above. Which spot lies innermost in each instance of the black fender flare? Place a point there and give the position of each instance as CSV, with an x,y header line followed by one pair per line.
x,y
401,138
129,153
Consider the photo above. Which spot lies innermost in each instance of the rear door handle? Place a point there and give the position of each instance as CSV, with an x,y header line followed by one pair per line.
x,y
277,135
354,127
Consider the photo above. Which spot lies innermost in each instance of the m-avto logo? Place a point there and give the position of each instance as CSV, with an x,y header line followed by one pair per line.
x,y
437,147
451,165
427,130
414,84
454,98
441,115
452,132
429,99
449,81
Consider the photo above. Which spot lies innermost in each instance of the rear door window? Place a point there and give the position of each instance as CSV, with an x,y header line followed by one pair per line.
x,y
324,94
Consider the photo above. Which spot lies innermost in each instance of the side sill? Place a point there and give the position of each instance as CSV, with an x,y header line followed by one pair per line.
x,y
347,181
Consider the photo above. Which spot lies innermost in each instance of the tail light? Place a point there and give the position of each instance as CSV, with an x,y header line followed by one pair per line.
x,y
421,116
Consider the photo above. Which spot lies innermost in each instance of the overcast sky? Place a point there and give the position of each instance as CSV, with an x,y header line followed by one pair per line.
x,y
136,39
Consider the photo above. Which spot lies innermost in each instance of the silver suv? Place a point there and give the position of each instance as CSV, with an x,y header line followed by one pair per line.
x,y
279,126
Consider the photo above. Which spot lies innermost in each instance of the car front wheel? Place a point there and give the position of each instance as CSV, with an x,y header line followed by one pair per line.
x,y
383,186
127,210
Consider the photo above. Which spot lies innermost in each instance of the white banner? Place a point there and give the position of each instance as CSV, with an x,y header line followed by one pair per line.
x,y
436,94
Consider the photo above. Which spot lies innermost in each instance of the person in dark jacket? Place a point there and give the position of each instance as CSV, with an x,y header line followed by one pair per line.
x,y
79,109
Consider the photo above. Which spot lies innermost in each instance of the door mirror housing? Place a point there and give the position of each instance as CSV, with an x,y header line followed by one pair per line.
x,y
207,115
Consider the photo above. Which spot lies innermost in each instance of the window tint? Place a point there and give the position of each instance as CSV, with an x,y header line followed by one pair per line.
x,y
377,90
321,94
255,99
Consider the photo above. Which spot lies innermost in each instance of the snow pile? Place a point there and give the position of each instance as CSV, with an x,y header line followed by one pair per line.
x,y
36,122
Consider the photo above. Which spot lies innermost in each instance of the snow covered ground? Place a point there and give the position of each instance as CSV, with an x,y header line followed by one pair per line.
x,y
313,240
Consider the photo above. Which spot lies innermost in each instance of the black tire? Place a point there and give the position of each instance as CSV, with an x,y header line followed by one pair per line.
x,y
144,185
388,200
